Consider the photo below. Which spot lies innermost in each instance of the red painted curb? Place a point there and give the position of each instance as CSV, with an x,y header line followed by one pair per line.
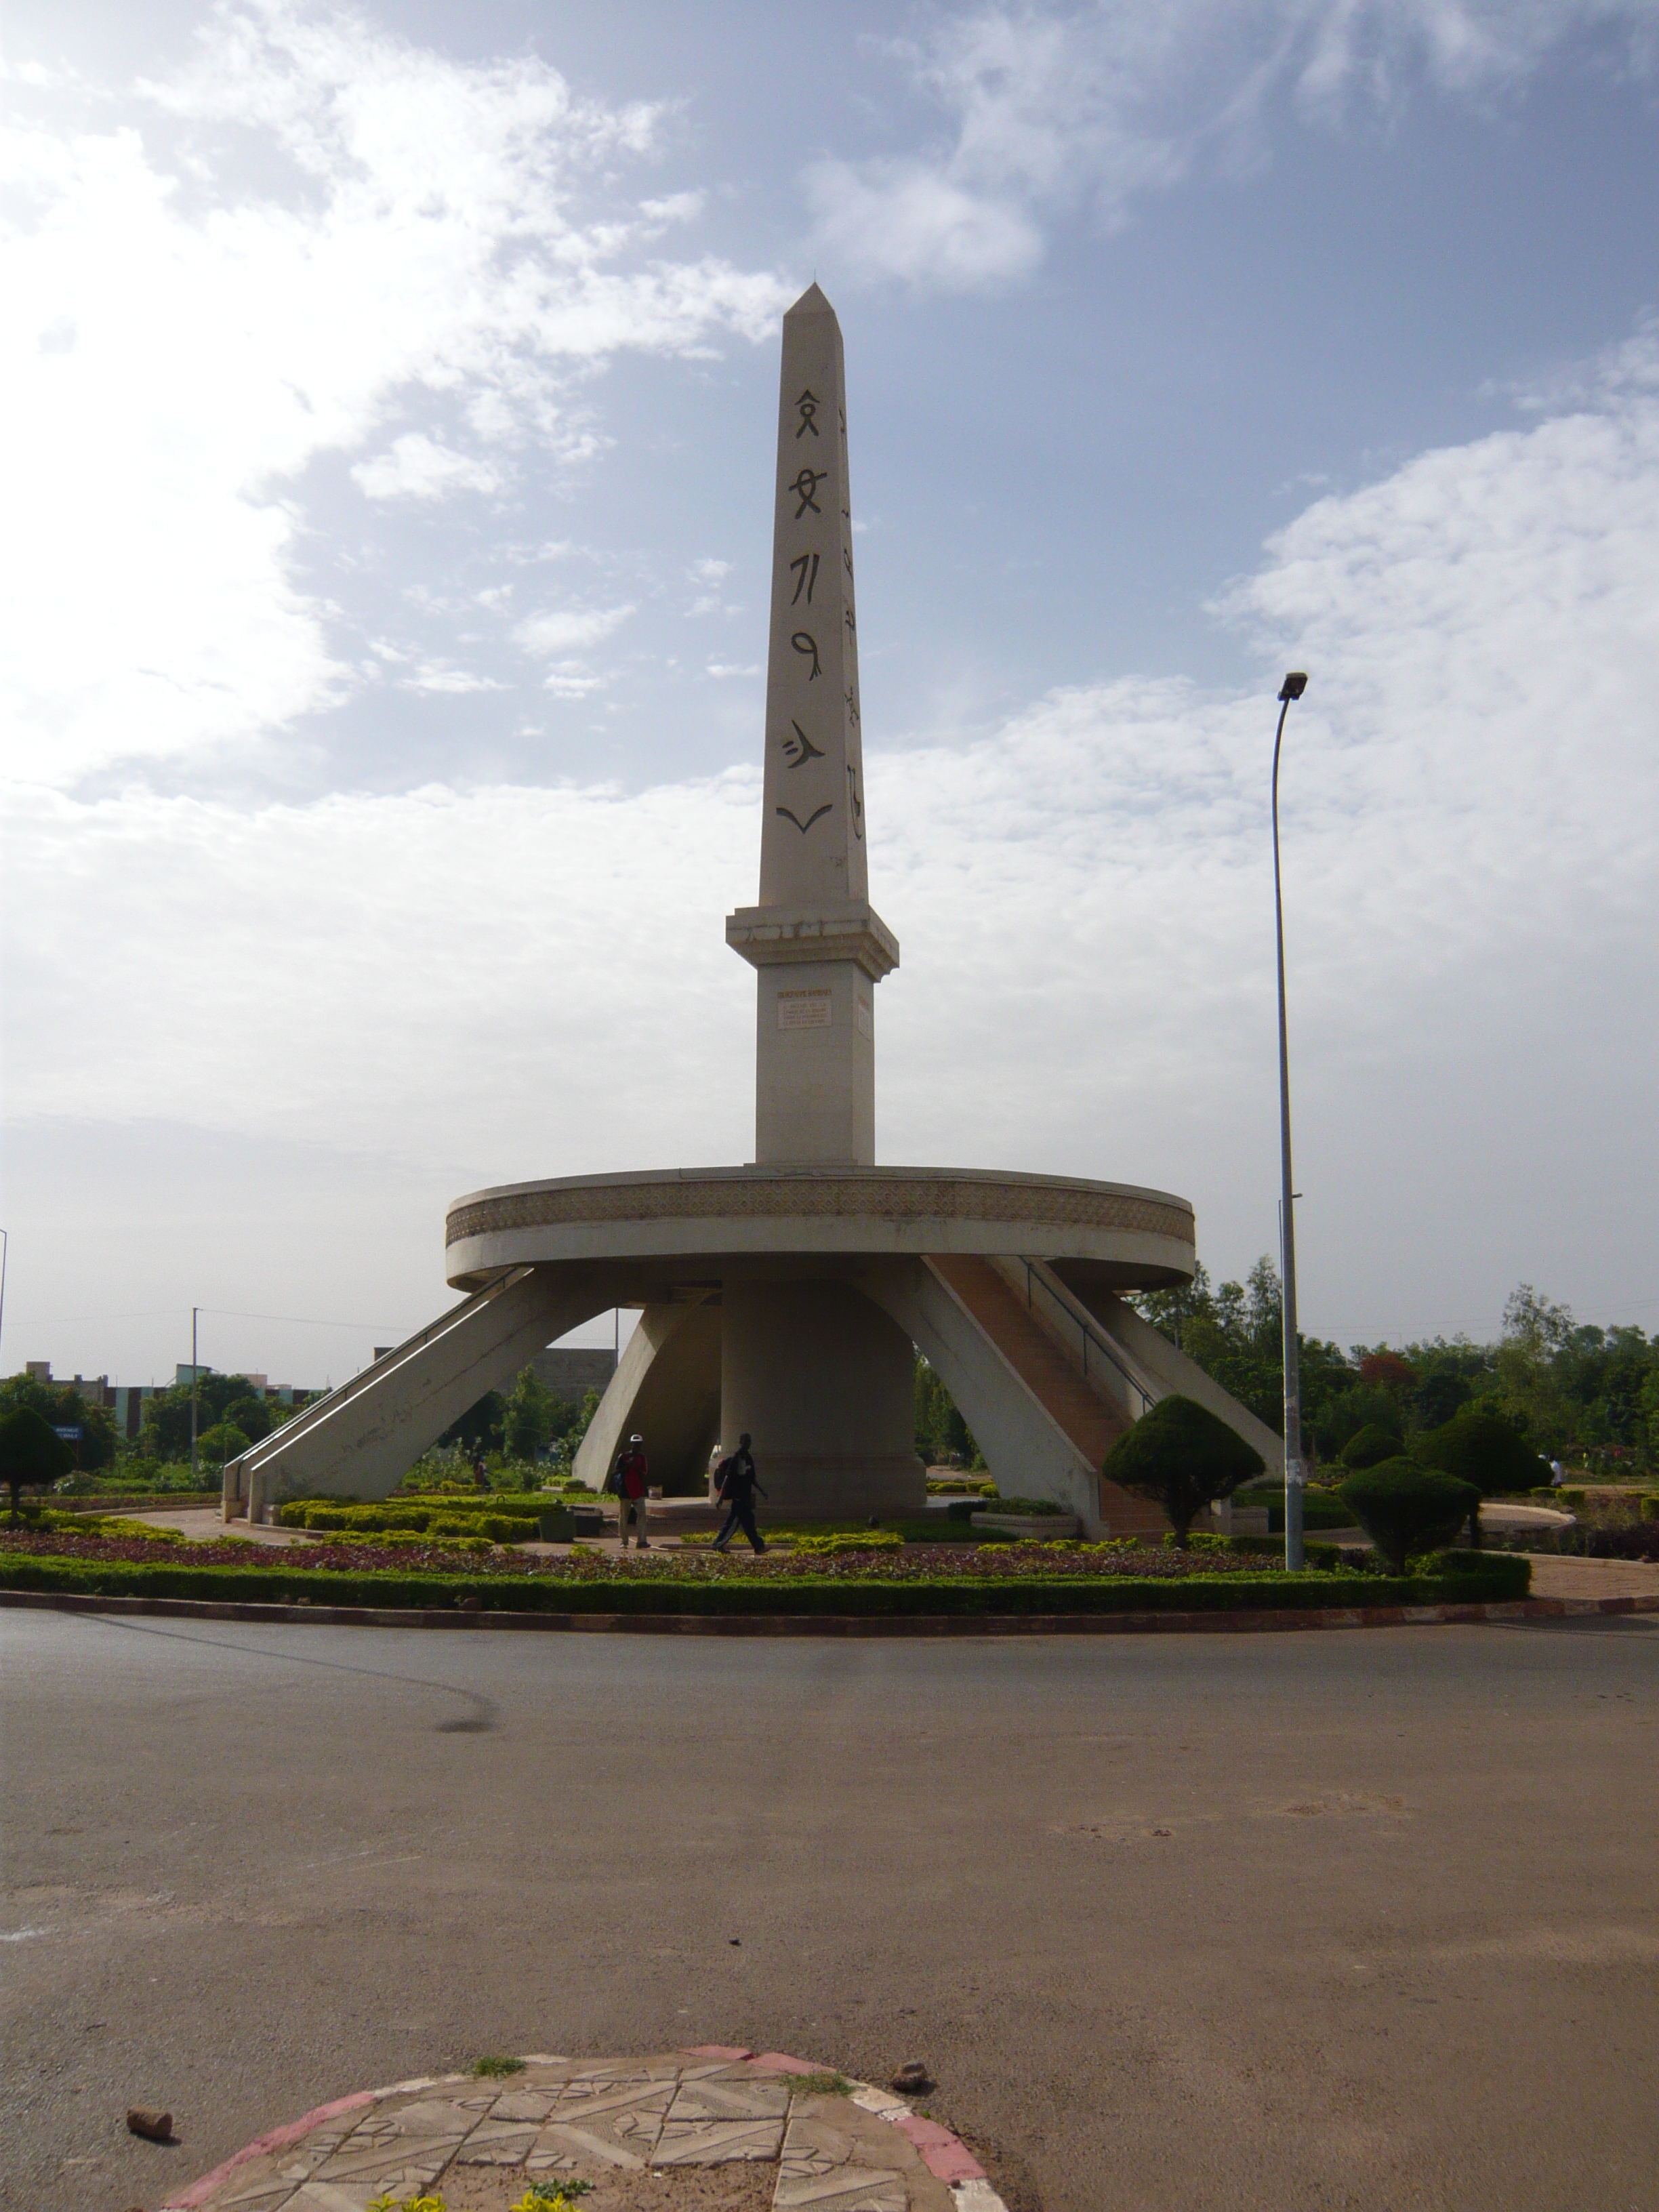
x,y
199,2192
1245,1620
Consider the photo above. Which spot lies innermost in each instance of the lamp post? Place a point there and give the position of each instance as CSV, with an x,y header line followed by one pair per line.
x,y
1292,688
195,1377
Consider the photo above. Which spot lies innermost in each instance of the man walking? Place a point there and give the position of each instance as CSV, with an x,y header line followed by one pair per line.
x,y
736,1489
633,1473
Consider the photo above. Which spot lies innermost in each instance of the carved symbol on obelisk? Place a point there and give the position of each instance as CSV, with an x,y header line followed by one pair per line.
x,y
857,803
807,580
805,488
852,708
799,748
804,642
808,406
804,826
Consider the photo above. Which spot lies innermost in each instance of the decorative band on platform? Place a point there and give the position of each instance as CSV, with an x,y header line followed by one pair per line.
x,y
905,1197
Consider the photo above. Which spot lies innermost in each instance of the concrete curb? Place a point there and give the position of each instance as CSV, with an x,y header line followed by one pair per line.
x,y
1244,1620
945,2154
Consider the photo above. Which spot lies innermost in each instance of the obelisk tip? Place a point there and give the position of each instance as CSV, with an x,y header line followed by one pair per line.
x,y
812,302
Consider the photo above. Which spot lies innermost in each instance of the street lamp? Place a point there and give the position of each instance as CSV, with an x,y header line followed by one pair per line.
x,y
1292,688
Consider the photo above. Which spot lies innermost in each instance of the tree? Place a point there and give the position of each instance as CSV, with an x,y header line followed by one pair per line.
x,y
527,1423
941,1432
31,1453
1370,1446
1404,1508
61,1406
480,1429
1483,1449
1386,1370
223,1441
1180,1454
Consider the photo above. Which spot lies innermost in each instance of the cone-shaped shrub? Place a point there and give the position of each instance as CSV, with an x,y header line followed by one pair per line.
x,y
1182,1455
1405,1509
1483,1449
1370,1446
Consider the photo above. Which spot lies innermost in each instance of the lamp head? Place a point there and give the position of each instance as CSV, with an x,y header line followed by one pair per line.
x,y
1293,686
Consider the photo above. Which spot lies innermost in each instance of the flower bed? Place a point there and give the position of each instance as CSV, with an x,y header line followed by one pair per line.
x,y
949,1579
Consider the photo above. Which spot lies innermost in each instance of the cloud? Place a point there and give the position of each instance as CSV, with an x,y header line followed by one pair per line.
x,y
567,629
220,283
417,468
1047,110
438,677
1084,902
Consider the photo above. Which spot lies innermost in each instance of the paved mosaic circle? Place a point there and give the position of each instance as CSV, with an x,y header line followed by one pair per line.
x,y
710,2129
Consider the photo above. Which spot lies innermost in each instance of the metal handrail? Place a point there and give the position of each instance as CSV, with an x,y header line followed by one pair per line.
x,y
1090,1333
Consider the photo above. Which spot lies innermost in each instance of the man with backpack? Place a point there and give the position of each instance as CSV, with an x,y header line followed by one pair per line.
x,y
633,1473
735,1486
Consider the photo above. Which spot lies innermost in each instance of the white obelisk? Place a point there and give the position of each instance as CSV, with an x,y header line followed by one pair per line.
x,y
818,946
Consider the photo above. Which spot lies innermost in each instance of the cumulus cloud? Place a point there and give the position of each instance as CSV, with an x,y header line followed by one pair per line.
x,y
418,467
218,281
1085,904
1047,109
567,629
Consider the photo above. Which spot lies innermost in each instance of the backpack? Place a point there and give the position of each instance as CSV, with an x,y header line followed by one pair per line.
x,y
721,1474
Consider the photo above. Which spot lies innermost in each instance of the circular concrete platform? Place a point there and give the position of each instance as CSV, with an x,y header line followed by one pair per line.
x,y
1136,1238
703,2129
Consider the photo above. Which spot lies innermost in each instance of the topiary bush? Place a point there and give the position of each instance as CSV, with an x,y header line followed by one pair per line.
x,y
1404,1508
1483,1449
1180,1454
31,1453
1370,1446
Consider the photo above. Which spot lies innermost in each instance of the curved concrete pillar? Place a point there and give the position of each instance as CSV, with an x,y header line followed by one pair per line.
x,y
667,1388
360,1440
1028,1439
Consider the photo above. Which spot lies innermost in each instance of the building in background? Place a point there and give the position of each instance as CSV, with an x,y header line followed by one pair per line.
x,y
571,1371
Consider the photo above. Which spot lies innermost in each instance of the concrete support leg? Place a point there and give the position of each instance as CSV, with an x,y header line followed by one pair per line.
x,y
1024,1447
667,1389
825,1384
362,1439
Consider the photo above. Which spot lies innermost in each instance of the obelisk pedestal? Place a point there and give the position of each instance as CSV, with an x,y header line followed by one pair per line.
x,y
818,1376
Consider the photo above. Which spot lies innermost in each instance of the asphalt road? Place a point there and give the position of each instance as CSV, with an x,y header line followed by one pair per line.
x,y
1363,1920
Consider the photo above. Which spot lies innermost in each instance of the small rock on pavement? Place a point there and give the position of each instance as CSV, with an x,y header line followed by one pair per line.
x,y
913,2080
154,2126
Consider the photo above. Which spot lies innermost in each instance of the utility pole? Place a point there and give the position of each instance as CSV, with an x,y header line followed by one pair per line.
x,y
1292,688
195,1394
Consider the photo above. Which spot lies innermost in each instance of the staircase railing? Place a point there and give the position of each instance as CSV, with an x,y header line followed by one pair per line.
x,y
1077,1319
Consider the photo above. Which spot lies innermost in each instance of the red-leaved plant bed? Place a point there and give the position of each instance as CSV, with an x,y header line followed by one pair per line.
x,y
914,1563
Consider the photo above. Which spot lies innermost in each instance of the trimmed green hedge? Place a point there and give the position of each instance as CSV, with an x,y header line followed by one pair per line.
x,y
387,1588
326,1517
1489,1577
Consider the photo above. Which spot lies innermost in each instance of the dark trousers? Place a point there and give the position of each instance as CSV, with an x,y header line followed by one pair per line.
x,y
740,1514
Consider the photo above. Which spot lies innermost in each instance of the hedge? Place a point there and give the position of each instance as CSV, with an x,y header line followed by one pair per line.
x,y
328,1517
391,1590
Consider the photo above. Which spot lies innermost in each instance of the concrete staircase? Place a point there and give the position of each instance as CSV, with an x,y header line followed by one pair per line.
x,y
1080,1406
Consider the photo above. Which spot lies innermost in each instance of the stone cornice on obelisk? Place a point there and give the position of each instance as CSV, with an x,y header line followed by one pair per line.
x,y
814,875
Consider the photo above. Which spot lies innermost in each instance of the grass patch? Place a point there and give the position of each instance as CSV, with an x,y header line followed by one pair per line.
x,y
492,2069
825,2085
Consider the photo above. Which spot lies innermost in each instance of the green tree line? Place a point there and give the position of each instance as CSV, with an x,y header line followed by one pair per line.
x,y
1576,1391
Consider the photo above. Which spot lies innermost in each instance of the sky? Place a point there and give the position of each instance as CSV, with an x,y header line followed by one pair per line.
x,y
392,404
